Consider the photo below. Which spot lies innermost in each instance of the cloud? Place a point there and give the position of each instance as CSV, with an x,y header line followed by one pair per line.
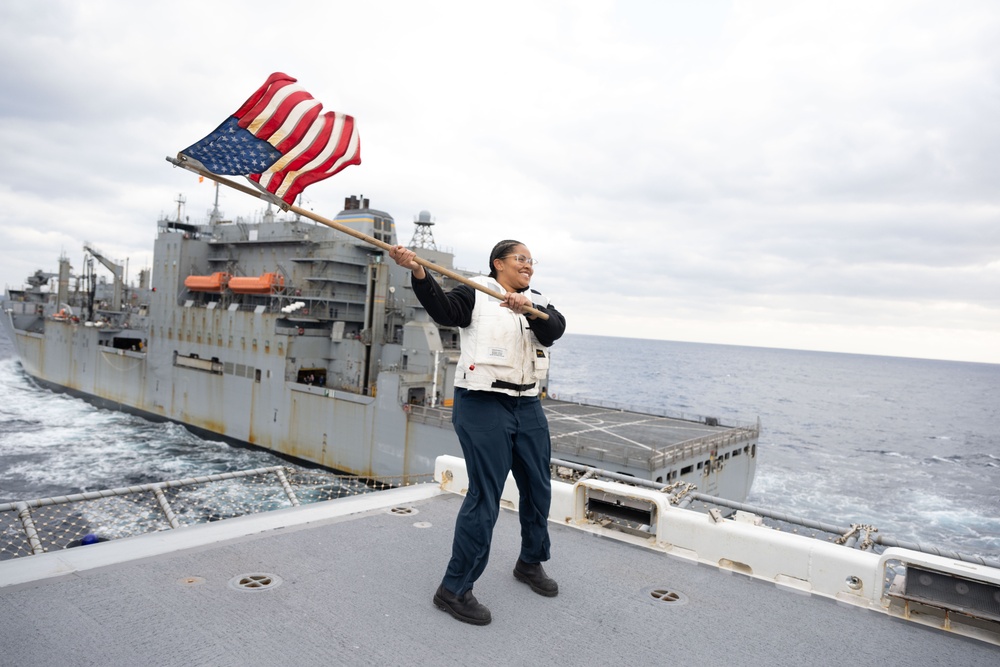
x,y
768,173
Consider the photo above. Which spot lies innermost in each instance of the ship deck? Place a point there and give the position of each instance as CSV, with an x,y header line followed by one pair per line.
x,y
355,579
618,435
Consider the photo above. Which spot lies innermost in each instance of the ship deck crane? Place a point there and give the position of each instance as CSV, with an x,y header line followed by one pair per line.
x,y
117,271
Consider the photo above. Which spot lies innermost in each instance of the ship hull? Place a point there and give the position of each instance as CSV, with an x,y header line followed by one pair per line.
x,y
308,424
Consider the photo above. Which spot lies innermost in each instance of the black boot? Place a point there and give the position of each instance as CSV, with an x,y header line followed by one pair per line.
x,y
533,575
465,608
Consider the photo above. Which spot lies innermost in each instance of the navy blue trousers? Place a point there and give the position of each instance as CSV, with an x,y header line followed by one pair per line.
x,y
499,434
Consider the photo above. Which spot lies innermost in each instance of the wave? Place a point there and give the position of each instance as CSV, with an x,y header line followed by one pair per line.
x,y
883,452
54,444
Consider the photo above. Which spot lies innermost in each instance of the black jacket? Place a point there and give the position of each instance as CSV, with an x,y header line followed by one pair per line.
x,y
454,308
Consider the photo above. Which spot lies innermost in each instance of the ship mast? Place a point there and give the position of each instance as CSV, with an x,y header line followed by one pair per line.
x,y
180,203
216,215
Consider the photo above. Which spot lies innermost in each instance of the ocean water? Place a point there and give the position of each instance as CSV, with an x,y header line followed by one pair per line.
x,y
52,444
910,446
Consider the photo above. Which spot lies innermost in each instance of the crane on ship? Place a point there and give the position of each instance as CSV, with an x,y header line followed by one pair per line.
x,y
117,270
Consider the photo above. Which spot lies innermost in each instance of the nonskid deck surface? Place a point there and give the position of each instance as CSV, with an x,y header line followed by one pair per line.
x,y
357,589
595,426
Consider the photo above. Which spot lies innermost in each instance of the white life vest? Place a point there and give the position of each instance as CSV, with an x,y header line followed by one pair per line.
x,y
499,352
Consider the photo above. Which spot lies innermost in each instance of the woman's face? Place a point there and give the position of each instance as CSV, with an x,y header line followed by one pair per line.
x,y
514,273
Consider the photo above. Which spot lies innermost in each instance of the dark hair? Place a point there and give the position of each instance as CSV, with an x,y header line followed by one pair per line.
x,y
500,251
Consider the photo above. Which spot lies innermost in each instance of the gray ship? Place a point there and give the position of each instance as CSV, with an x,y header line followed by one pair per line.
x,y
290,336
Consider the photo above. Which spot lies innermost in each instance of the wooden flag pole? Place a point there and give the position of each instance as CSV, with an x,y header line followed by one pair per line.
x,y
181,161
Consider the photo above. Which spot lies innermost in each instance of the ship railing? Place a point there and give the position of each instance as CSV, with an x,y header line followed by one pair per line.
x,y
649,410
435,416
350,294
21,307
356,277
50,524
734,437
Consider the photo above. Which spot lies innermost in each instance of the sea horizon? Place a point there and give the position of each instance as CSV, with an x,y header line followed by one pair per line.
x,y
789,349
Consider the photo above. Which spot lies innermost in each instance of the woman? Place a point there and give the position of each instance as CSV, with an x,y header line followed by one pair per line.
x,y
497,415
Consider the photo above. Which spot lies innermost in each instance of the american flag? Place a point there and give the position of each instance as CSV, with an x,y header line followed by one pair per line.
x,y
280,140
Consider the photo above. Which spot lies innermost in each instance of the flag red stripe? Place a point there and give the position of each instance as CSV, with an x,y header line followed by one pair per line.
x,y
300,130
307,179
318,145
281,114
330,166
332,138
263,92
254,112
338,152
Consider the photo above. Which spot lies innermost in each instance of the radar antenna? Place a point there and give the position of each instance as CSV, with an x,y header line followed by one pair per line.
x,y
423,237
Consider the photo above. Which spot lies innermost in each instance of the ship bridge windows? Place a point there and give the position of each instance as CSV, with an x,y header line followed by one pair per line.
x,y
383,229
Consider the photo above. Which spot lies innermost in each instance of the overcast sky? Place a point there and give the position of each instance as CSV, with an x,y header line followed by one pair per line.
x,y
813,175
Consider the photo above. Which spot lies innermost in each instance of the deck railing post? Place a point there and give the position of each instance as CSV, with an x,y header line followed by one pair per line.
x,y
289,491
24,514
168,511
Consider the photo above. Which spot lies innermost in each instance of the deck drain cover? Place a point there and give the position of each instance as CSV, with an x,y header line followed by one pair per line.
x,y
255,581
664,596
402,511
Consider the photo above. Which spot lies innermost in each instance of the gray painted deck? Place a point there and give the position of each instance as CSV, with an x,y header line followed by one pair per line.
x,y
356,590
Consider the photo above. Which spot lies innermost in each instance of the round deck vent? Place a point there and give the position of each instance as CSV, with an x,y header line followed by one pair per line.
x,y
255,581
402,511
664,596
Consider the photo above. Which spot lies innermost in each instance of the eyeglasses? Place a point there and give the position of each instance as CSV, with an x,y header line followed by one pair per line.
x,y
521,259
